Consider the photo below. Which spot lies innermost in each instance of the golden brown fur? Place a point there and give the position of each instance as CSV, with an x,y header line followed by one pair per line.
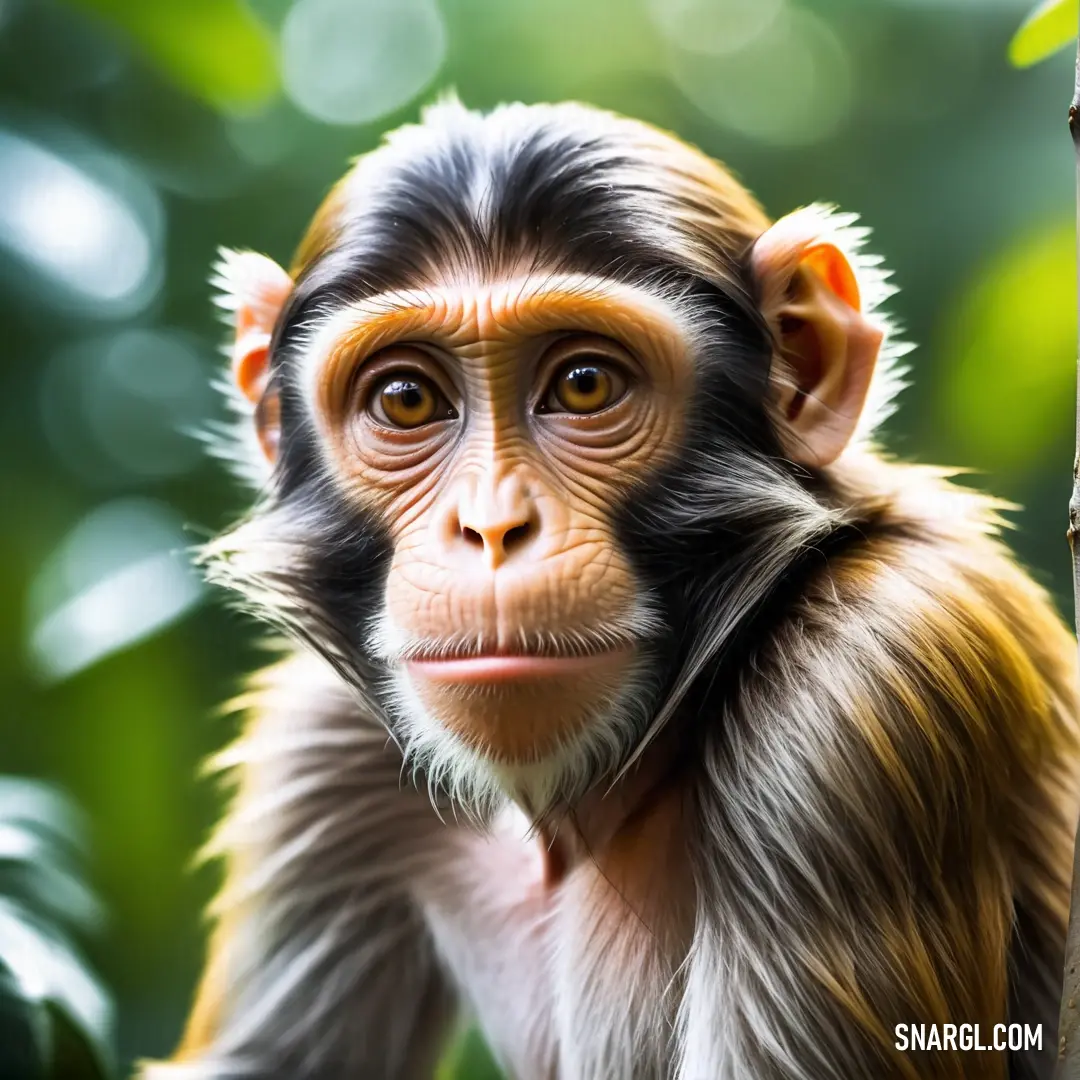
x,y
945,687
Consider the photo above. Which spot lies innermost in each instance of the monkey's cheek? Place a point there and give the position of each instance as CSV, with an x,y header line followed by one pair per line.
x,y
524,719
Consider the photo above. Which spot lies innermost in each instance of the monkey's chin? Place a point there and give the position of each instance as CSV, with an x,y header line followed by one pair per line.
x,y
535,729
517,709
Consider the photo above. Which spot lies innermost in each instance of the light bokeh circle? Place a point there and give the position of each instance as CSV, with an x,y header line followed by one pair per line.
x,y
789,85
354,61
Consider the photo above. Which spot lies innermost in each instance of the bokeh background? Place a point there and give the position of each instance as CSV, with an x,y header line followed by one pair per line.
x,y
137,136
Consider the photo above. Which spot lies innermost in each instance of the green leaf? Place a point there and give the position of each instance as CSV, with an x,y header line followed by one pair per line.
x,y
215,49
51,1005
1049,27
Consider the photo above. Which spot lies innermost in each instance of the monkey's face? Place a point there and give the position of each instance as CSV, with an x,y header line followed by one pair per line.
x,y
533,383
495,430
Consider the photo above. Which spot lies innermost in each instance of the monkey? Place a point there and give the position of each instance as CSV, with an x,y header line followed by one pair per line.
x,y
633,703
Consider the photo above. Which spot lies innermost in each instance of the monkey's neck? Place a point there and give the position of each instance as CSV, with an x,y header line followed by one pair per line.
x,y
611,820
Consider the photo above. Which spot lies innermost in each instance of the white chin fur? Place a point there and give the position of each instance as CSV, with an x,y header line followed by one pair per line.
x,y
480,785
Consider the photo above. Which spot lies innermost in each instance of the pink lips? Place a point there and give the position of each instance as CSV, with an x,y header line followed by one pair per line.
x,y
499,668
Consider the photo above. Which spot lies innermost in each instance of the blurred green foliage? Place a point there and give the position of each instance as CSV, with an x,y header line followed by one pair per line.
x,y
1001,370
216,49
136,136
468,1059
55,1019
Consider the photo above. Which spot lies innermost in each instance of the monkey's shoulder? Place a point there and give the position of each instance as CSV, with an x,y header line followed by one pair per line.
x,y
924,625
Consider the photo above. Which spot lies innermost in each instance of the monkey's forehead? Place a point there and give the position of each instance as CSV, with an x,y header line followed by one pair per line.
x,y
458,313
572,186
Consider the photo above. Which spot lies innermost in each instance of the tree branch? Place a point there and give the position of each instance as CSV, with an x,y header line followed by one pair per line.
x,y
1069,1024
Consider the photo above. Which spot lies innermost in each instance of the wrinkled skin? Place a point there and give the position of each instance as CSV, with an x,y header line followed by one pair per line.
x,y
500,515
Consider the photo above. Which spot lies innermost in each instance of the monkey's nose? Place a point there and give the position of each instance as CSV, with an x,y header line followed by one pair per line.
x,y
499,537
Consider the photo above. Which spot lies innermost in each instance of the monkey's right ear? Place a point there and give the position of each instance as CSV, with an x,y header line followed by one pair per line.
x,y
253,289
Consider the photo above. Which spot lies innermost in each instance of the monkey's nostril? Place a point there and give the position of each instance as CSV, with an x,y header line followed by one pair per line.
x,y
514,537
501,542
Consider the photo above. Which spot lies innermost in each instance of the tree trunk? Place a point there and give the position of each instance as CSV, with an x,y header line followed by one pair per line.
x,y
1069,1024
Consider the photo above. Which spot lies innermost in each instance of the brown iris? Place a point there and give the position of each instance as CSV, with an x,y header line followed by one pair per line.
x,y
408,401
585,386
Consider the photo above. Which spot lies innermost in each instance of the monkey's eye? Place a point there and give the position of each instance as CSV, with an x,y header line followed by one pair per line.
x,y
585,385
406,400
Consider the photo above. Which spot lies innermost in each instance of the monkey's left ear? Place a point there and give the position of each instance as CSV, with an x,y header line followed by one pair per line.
x,y
253,288
826,347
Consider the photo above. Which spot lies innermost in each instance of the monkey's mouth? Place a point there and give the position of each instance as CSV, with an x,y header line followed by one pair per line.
x,y
501,667
524,656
